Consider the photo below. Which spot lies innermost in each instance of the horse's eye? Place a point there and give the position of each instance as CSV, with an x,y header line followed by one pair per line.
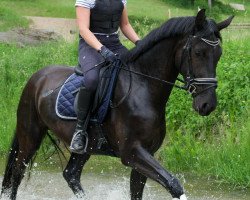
x,y
197,53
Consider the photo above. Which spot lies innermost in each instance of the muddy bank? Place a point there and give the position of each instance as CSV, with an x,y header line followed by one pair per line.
x,y
41,29
66,28
23,37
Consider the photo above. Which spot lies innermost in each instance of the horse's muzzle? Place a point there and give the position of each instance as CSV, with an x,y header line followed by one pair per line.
x,y
205,103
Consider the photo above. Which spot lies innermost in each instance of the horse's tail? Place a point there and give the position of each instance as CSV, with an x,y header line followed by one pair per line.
x,y
10,162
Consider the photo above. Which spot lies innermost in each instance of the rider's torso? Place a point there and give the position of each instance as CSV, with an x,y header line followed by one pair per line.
x,y
105,16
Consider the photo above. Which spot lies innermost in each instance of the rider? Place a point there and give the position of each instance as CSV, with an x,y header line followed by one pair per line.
x,y
98,22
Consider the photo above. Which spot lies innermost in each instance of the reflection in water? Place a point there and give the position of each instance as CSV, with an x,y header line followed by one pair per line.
x,y
51,186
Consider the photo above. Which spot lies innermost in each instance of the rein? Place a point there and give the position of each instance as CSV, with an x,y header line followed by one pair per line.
x,y
190,83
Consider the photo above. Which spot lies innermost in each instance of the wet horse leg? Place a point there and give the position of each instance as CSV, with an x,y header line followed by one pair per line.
x,y
6,184
29,142
137,183
72,173
138,158
18,171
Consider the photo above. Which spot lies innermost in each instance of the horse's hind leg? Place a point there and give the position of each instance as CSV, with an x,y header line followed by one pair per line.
x,y
29,141
6,184
137,183
72,173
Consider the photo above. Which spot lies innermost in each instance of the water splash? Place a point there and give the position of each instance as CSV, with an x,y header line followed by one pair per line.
x,y
52,186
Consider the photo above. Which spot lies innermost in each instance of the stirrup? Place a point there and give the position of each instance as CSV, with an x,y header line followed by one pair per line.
x,y
81,134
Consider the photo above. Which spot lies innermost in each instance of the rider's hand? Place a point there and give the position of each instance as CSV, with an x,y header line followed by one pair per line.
x,y
136,42
108,55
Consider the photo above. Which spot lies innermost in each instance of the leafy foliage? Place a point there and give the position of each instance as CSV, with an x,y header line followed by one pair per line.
x,y
218,8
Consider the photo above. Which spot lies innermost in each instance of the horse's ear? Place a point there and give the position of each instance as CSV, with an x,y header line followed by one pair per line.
x,y
200,19
225,23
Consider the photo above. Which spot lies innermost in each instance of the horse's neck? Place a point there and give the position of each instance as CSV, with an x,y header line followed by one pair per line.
x,y
158,62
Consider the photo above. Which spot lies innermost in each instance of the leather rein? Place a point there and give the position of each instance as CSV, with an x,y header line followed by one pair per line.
x,y
190,83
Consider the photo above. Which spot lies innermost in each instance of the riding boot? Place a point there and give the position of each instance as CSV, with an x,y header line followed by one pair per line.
x,y
79,141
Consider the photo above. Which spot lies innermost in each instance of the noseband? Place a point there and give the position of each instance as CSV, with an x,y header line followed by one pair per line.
x,y
190,82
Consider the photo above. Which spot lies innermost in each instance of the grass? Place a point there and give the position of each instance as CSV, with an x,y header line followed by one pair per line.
x,y
151,9
16,66
10,19
224,156
45,8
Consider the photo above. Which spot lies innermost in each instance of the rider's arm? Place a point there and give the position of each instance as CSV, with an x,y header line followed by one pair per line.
x,y
126,27
83,21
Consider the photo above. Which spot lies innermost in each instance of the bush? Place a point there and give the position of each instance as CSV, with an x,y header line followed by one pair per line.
x,y
218,7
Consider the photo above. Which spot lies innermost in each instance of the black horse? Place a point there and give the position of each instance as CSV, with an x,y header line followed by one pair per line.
x,y
189,46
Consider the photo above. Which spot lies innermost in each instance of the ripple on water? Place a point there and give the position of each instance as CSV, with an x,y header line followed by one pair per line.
x,y
52,186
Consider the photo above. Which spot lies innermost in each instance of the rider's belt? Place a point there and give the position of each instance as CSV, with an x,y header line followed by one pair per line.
x,y
107,34
105,17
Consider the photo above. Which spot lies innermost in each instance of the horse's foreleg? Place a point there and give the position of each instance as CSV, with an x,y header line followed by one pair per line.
x,y
137,183
72,173
143,162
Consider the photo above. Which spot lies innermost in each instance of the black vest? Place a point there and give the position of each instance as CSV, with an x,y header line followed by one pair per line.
x,y
105,17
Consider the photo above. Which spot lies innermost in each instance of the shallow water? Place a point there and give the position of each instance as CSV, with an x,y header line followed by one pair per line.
x,y
51,185
110,184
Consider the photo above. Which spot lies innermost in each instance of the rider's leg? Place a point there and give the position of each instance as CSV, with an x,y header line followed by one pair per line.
x,y
88,58
80,138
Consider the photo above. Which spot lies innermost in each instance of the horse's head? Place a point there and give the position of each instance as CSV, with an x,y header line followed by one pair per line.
x,y
198,59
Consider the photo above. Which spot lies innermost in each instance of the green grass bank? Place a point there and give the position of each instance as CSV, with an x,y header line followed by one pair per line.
x,y
216,146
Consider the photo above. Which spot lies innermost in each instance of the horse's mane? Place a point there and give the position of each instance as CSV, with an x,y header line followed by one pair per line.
x,y
171,28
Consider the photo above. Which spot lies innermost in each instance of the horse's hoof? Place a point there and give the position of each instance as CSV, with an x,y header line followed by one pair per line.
x,y
182,197
80,195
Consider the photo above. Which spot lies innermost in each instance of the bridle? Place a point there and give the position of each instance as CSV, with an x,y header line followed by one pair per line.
x,y
190,83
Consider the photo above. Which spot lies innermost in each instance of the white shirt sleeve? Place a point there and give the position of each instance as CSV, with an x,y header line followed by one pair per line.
x,y
85,3
124,2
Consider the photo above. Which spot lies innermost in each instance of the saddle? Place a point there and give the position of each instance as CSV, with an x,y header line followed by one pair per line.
x,y
68,95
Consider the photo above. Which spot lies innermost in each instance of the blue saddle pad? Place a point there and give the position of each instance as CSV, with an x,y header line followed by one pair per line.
x,y
67,94
66,97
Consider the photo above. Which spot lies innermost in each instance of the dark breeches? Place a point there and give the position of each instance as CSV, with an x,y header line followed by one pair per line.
x,y
89,57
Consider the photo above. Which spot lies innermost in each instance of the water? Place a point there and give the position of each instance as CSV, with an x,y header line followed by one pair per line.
x,y
110,184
